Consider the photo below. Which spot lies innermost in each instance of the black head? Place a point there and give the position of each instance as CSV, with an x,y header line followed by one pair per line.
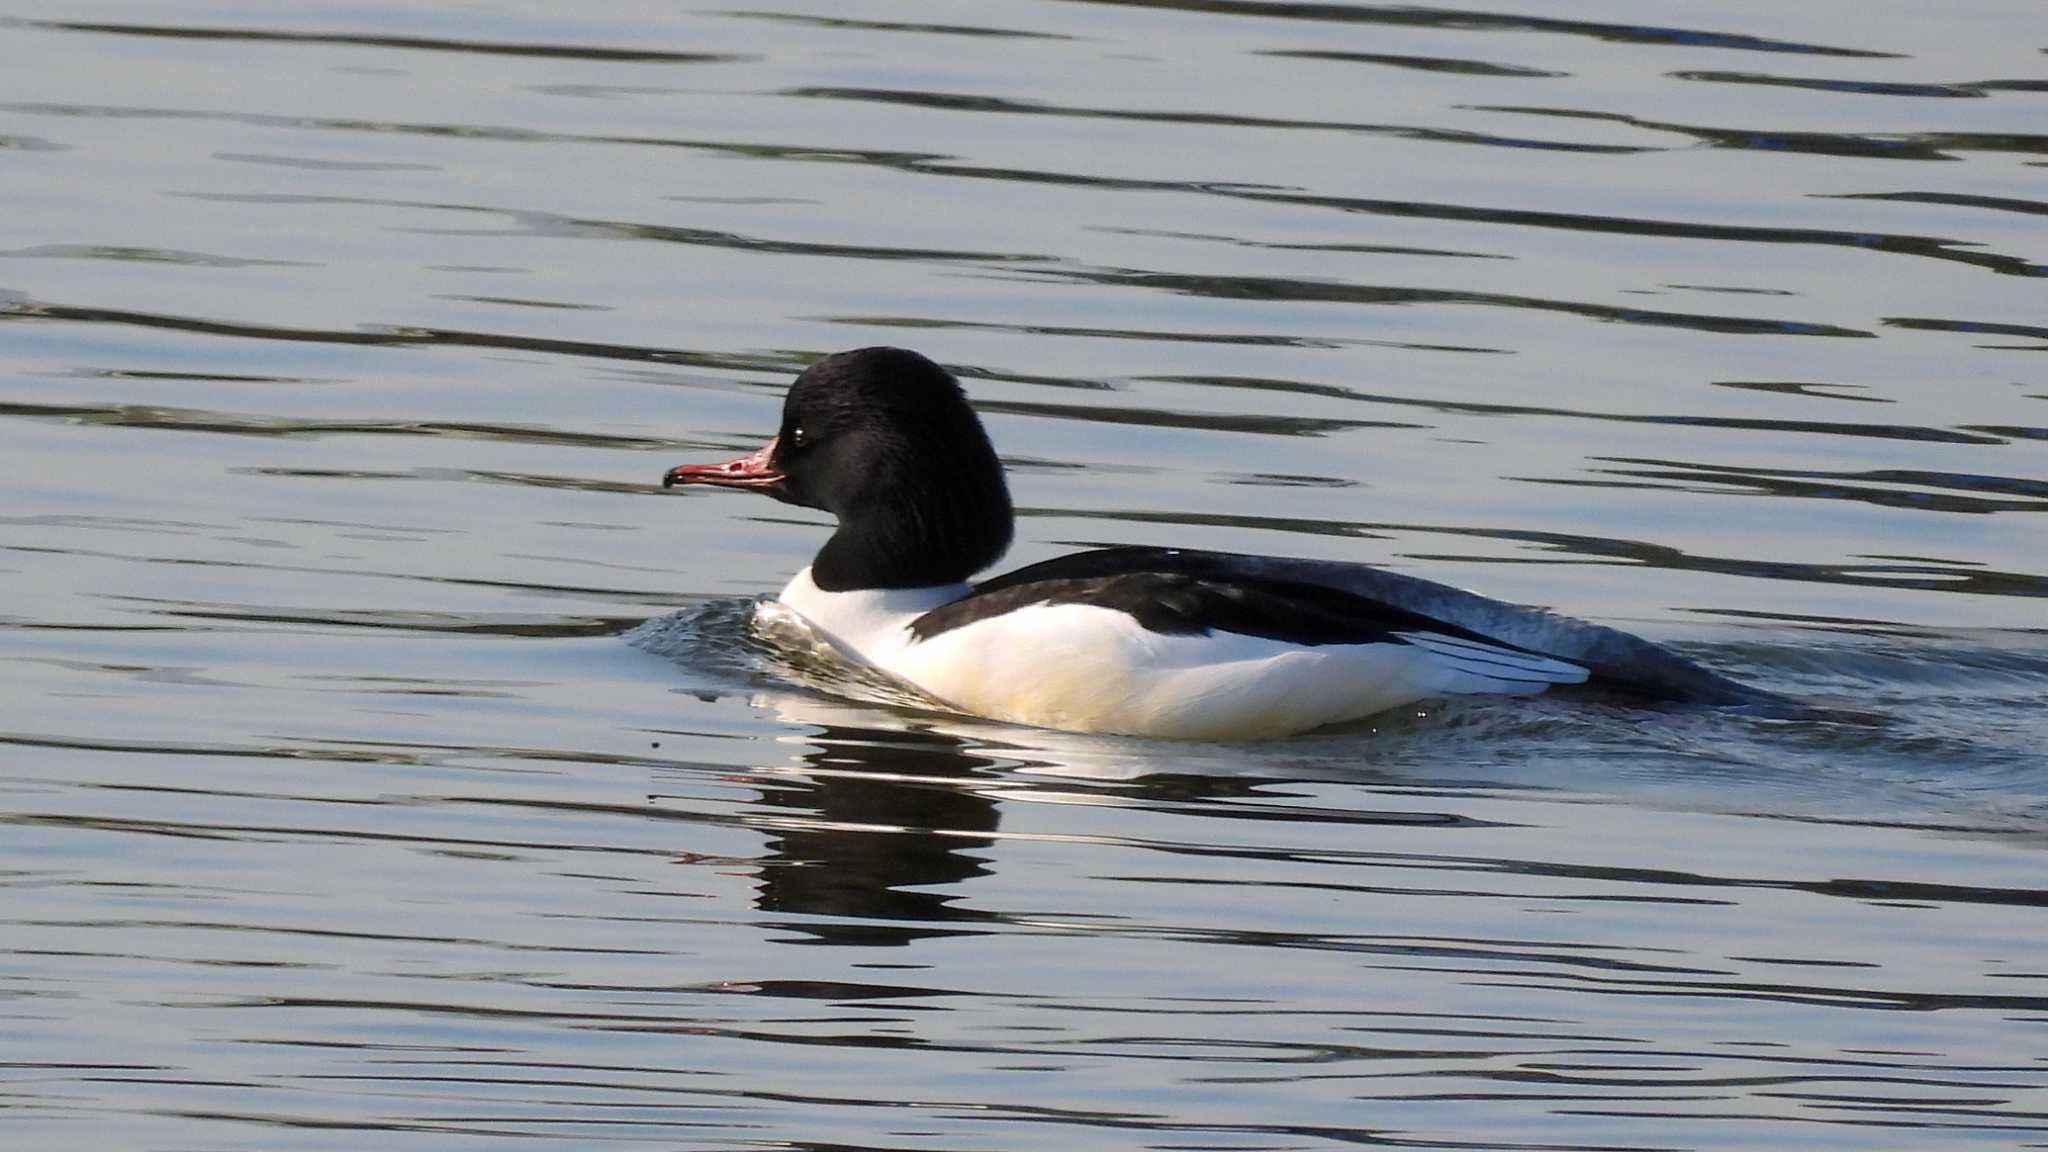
x,y
883,439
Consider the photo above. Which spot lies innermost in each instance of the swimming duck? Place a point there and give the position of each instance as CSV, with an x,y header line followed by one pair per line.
x,y
1162,642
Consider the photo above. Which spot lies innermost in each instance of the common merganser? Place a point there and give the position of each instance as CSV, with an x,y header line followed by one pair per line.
x,y
1164,642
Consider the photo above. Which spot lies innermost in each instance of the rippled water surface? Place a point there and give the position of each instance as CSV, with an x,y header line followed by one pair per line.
x,y
386,761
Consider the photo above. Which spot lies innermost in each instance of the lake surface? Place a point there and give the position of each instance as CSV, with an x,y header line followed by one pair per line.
x,y
386,761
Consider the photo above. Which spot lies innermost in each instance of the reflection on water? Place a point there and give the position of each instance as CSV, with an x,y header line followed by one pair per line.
x,y
385,755
873,824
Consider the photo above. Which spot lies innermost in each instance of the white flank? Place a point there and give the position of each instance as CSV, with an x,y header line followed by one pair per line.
x,y
1090,669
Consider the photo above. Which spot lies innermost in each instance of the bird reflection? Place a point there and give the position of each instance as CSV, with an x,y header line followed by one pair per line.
x,y
880,817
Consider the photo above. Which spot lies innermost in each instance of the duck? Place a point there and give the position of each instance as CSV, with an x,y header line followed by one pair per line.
x,y
1172,643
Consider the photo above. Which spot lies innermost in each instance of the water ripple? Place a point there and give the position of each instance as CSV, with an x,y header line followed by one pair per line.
x,y
1932,435
959,102
17,309
1466,20
1886,487
943,165
1926,575
1973,89
408,43
1418,63
1876,146
1924,246
1320,291
840,23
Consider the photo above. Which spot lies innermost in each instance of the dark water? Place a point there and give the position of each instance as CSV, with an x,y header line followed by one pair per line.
x,y
384,760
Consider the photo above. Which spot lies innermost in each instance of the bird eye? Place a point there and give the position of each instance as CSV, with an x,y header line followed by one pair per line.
x,y
798,438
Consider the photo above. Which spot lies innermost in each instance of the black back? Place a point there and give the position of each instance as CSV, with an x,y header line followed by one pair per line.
x,y
1183,593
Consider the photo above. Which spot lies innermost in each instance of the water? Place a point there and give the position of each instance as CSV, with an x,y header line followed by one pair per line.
x,y
386,760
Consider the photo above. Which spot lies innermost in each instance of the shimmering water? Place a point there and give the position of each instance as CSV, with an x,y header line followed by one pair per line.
x,y
384,760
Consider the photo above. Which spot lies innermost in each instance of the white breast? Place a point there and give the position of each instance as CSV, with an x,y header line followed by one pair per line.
x,y
871,624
